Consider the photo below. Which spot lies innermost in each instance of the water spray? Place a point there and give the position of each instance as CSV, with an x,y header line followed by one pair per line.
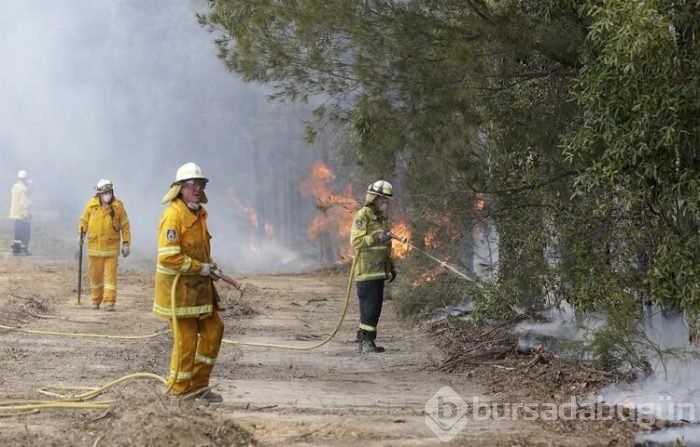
x,y
404,240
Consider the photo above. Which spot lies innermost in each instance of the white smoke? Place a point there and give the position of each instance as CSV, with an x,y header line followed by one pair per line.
x,y
559,324
672,391
129,90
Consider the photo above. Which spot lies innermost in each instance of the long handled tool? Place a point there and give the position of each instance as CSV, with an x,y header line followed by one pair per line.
x,y
80,266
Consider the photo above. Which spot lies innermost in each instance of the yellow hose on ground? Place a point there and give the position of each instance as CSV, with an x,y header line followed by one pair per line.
x,y
82,334
21,408
302,347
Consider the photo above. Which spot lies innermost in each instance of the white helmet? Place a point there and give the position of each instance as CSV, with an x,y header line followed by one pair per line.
x,y
104,186
381,188
22,174
189,171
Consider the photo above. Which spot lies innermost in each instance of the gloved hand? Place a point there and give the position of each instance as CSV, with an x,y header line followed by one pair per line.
x,y
383,237
207,268
125,250
392,276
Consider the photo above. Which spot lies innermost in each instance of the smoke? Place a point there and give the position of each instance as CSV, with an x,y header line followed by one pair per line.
x,y
559,324
672,391
687,436
129,91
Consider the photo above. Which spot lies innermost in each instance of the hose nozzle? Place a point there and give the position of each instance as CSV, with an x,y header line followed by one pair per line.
x,y
216,273
402,239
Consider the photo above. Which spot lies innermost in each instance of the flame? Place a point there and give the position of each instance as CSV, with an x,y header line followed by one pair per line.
x,y
249,212
337,209
318,185
269,230
253,247
398,249
479,203
429,239
428,277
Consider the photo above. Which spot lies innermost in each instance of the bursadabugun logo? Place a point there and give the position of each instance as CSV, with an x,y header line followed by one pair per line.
x,y
446,414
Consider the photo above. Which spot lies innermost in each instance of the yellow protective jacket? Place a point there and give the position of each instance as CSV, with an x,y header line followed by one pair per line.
x,y
372,260
19,207
183,245
103,226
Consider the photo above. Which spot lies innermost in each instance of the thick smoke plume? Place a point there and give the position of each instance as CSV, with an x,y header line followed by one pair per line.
x,y
129,91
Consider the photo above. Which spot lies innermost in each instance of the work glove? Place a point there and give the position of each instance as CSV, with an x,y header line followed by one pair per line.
x,y
392,275
207,268
125,250
383,237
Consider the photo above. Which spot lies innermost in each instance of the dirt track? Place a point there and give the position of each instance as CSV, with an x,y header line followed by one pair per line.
x,y
330,396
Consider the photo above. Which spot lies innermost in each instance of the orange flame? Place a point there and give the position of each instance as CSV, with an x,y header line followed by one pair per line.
x,y
429,239
249,212
428,277
269,230
398,249
337,209
479,203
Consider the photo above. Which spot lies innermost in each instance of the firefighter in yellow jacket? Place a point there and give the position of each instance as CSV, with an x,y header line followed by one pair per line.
x,y
20,212
105,223
184,249
371,242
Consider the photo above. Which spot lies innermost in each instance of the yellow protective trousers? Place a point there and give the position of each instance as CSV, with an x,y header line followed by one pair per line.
x,y
198,341
103,278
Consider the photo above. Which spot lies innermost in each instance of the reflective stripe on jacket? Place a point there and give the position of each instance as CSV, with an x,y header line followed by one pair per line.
x,y
19,207
373,260
183,245
105,227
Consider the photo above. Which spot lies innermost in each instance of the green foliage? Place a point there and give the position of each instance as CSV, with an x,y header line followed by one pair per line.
x,y
577,121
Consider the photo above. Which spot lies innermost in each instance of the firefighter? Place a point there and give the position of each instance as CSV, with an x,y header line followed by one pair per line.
x,y
105,223
371,242
20,212
183,247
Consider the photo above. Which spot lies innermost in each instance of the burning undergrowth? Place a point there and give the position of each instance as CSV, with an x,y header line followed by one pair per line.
x,y
430,291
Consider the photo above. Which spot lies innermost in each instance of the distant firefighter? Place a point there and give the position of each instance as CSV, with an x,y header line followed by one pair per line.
x,y
105,224
20,212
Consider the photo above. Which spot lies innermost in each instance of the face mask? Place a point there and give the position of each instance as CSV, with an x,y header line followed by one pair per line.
x,y
193,206
384,206
106,197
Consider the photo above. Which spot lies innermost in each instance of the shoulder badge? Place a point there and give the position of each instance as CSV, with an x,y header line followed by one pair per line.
x,y
358,223
171,234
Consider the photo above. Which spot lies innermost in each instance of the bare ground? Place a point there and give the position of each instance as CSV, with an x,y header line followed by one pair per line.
x,y
329,396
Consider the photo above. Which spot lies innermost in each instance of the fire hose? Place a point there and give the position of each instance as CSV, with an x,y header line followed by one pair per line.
x,y
80,401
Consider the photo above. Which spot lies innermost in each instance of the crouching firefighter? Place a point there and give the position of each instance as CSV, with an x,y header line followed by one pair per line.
x,y
371,242
183,248
105,223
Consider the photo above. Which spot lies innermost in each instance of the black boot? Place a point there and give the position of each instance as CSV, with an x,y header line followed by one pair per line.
x,y
367,345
